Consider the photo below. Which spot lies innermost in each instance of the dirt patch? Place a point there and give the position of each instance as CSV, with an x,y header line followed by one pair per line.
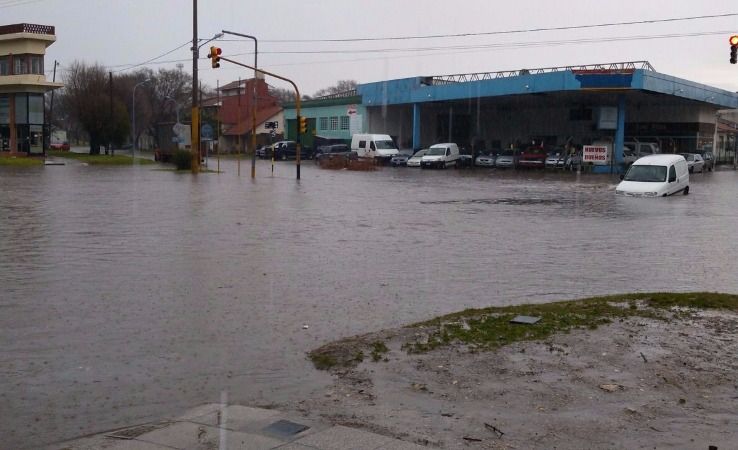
x,y
665,380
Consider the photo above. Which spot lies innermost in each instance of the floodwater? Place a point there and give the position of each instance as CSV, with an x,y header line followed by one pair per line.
x,y
128,294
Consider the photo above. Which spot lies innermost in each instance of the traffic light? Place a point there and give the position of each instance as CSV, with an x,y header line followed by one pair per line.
x,y
214,56
302,123
734,49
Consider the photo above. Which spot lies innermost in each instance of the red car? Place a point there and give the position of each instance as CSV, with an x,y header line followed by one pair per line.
x,y
533,156
64,146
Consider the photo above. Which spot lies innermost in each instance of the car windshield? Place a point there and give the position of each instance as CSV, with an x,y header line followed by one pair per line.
x,y
646,174
688,156
420,153
435,151
384,145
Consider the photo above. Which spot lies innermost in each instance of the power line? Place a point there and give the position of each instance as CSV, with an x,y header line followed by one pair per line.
x,y
133,66
526,30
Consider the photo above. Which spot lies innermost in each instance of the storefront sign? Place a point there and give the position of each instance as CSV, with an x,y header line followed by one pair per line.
x,y
596,154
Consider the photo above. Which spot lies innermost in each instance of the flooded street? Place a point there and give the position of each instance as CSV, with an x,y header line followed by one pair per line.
x,y
131,293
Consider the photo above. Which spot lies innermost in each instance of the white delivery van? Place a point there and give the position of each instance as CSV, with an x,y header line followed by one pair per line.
x,y
441,156
655,176
373,146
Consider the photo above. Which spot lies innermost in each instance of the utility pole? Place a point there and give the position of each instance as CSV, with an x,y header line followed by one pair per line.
x,y
195,131
110,138
51,106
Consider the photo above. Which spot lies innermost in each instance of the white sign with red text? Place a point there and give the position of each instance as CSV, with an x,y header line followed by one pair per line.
x,y
596,154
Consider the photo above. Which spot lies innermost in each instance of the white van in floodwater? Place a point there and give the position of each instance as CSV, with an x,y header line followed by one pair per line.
x,y
655,176
374,146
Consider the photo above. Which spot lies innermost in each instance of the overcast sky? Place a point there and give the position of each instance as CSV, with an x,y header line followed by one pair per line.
x,y
122,32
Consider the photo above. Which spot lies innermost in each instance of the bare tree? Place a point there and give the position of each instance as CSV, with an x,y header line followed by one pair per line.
x,y
86,99
340,86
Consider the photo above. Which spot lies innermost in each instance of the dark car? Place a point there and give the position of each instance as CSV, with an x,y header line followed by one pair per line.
x,y
709,160
533,157
265,151
326,152
288,150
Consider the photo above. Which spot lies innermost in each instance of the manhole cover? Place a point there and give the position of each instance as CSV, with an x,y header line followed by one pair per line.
x,y
132,433
285,428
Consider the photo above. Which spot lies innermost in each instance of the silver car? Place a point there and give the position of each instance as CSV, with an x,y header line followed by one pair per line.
x,y
695,163
485,160
505,160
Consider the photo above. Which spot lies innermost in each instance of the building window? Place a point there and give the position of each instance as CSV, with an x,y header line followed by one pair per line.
x,y
334,123
21,109
37,64
20,66
344,122
36,108
4,65
323,123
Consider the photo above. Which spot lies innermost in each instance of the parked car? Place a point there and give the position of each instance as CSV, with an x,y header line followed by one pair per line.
x,y
533,157
573,161
285,150
695,163
709,160
64,146
263,152
414,160
465,160
326,152
506,159
655,176
555,159
399,160
632,150
440,156
485,160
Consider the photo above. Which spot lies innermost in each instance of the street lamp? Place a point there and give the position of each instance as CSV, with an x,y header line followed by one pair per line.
x,y
133,114
176,105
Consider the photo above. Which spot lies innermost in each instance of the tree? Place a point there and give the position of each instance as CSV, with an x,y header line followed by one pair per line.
x,y
340,86
86,99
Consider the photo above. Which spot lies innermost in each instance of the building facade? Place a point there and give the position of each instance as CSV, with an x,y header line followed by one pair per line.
x,y
22,87
333,118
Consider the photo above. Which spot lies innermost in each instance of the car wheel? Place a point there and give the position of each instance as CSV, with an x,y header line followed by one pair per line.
x,y
686,191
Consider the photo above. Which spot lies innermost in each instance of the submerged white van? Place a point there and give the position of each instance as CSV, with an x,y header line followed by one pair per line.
x,y
373,146
655,176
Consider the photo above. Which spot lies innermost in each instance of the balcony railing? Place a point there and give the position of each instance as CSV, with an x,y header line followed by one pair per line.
x,y
27,28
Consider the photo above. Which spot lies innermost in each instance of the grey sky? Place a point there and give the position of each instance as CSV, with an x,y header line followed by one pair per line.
x,y
115,33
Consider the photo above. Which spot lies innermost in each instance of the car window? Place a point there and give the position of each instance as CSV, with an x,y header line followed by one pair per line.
x,y
672,173
362,144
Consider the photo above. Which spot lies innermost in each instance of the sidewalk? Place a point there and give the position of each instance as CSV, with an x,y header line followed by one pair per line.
x,y
214,427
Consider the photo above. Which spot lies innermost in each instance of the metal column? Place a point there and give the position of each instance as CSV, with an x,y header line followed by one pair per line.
x,y
620,134
416,127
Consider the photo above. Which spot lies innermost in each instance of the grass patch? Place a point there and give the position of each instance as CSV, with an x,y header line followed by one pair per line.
x,y
20,162
490,328
101,160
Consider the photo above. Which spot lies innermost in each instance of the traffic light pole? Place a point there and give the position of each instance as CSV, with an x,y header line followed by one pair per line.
x,y
195,131
297,105
253,100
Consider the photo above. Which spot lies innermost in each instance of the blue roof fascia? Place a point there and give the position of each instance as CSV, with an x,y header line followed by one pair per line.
x,y
678,87
411,90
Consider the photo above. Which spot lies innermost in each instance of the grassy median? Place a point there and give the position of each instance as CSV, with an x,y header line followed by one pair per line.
x,y
20,162
490,328
101,160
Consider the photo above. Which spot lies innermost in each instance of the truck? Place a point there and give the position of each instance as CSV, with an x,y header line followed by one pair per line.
x,y
440,156
377,146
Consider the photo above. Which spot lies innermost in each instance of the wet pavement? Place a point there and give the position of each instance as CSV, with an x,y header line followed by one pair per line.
x,y
131,293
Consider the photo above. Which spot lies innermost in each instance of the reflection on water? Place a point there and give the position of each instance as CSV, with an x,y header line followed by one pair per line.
x,y
128,293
